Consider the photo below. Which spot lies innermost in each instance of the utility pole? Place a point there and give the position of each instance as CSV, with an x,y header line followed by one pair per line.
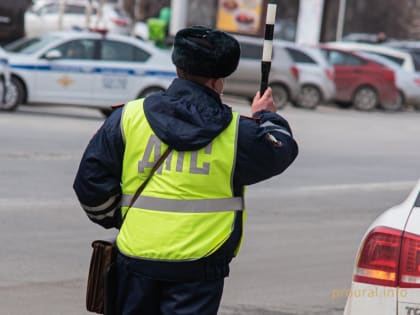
x,y
61,14
341,19
178,21
88,13
309,21
99,21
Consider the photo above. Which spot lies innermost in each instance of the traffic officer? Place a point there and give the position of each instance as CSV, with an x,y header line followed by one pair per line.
x,y
178,238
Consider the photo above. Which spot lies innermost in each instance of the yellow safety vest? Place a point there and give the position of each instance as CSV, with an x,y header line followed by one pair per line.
x,y
187,209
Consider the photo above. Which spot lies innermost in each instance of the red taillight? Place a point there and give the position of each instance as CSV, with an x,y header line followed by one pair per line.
x,y
379,257
119,22
329,74
389,257
410,261
417,81
295,72
389,75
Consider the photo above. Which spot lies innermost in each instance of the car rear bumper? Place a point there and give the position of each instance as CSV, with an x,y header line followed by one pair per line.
x,y
371,299
409,301
328,91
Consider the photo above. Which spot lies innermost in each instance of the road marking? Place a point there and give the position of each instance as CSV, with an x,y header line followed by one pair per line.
x,y
48,156
339,188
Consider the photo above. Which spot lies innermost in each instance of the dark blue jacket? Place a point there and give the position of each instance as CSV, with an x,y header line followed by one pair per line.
x,y
187,116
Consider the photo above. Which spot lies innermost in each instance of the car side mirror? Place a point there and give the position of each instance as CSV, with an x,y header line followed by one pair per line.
x,y
53,54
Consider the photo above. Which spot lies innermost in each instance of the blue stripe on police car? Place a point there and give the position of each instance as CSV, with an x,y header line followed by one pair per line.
x,y
86,69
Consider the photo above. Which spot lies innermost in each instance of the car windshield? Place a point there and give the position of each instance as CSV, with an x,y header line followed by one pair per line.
x,y
394,59
382,60
18,45
32,45
416,58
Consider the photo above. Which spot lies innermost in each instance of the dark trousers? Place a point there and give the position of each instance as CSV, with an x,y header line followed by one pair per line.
x,y
139,295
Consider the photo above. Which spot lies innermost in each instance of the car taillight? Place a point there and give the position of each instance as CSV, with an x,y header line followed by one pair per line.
x,y
389,257
329,74
410,261
119,22
417,81
379,257
389,75
295,72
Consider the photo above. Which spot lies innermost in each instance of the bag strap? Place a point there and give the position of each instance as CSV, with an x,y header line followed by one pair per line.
x,y
143,185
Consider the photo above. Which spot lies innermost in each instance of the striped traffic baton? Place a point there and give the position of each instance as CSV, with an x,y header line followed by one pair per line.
x,y
268,46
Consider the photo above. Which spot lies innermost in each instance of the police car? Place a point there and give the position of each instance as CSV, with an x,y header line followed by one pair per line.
x,y
386,277
91,69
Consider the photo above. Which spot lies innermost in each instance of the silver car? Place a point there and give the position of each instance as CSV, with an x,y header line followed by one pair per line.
x,y
44,17
408,83
283,79
316,75
403,58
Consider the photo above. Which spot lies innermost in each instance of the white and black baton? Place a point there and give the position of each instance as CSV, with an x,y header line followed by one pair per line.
x,y
268,46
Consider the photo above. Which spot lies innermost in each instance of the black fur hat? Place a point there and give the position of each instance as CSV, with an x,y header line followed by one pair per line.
x,y
206,52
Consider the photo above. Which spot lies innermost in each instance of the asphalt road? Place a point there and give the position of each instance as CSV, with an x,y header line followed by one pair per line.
x,y
302,231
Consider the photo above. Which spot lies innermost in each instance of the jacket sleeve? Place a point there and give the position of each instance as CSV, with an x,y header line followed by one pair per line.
x,y
97,183
266,148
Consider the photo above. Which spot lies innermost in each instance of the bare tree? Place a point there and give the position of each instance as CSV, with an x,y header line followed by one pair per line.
x,y
141,10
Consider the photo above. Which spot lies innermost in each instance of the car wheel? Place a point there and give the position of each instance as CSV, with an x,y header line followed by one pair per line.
x,y
150,91
309,97
14,96
280,95
365,98
397,105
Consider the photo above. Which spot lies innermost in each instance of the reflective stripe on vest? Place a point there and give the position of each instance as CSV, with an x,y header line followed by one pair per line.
x,y
203,205
187,209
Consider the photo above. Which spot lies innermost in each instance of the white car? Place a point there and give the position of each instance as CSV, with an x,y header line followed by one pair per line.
x,y
316,75
88,69
402,58
386,278
44,17
408,83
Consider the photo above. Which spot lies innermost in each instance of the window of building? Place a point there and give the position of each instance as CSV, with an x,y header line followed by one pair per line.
x,y
75,9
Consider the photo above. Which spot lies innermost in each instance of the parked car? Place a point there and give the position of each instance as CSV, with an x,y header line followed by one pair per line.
x,y
141,30
21,43
386,278
404,59
283,79
361,81
411,47
44,17
316,75
371,38
408,83
88,69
